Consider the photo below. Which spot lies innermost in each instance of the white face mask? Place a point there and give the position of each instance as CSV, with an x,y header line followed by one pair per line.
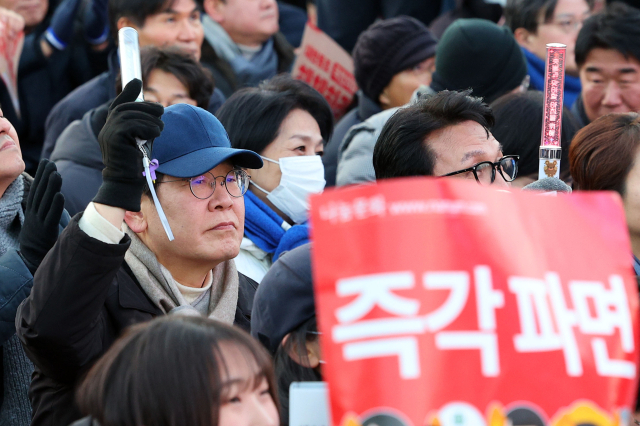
x,y
301,177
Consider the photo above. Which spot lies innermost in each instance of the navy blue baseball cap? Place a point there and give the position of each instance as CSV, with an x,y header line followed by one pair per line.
x,y
284,299
193,142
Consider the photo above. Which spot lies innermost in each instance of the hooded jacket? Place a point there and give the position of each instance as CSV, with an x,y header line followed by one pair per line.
x,y
79,160
355,155
365,109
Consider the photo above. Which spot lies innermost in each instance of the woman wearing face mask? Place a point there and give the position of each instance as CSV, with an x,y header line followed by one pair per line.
x,y
287,123
181,370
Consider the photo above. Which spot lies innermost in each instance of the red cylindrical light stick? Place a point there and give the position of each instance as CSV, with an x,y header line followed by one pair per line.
x,y
550,149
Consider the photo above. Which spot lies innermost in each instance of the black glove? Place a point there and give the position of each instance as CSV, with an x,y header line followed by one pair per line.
x,y
42,216
60,31
96,22
122,179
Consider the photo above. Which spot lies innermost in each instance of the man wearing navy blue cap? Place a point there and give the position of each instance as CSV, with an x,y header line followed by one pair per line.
x,y
114,265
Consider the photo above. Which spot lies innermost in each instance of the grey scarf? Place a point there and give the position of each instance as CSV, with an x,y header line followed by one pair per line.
x,y
262,66
11,215
158,283
15,409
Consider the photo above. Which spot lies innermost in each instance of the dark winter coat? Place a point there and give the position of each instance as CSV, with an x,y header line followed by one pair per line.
x,y
79,160
223,75
365,109
84,296
15,278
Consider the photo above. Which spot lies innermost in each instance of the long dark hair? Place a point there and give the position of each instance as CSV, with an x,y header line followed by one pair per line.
x,y
169,372
289,371
253,116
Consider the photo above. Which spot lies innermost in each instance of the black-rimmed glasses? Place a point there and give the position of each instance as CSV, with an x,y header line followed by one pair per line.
x,y
485,172
236,182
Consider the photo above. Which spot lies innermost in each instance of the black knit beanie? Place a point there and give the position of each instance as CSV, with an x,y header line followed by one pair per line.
x,y
388,47
477,54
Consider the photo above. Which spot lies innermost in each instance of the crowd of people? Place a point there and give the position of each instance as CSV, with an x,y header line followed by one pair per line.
x,y
106,320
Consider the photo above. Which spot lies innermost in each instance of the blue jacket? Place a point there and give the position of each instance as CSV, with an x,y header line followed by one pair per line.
x,y
16,279
535,66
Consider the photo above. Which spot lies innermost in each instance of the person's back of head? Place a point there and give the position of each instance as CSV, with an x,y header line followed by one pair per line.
x,y
407,60
284,321
160,22
479,55
608,57
403,149
181,371
605,156
603,153
518,127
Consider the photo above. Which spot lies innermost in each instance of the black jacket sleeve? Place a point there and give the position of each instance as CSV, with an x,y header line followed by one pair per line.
x,y
63,322
246,292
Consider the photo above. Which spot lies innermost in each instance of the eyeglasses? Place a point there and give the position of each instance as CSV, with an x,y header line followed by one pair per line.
x,y
568,24
485,172
236,182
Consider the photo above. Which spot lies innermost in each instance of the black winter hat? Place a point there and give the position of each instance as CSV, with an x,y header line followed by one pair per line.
x,y
388,47
477,54
284,299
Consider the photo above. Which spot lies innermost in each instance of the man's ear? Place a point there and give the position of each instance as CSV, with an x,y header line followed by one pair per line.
x,y
312,350
523,36
135,221
123,21
215,9
383,99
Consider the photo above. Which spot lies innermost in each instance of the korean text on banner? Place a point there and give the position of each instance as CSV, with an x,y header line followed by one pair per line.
x,y
443,303
327,67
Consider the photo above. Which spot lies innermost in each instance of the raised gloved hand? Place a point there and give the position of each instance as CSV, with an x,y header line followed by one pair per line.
x,y
96,22
122,179
45,204
60,31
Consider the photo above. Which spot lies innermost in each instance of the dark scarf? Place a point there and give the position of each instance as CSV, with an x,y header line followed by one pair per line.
x,y
249,72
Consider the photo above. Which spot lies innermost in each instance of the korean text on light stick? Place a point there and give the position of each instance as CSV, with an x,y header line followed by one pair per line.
x,y
550,148
130,69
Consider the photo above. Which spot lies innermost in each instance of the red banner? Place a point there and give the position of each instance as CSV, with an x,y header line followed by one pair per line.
x,y
443,303
327,67
10,51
